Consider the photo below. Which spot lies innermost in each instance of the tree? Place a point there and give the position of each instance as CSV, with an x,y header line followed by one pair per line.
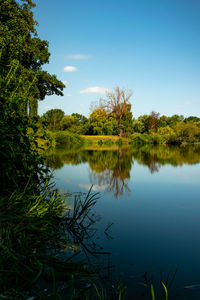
x,y
175,119
117,103
192,119
53,118
153,121
22,55
102,123
141,124
80,118
68,122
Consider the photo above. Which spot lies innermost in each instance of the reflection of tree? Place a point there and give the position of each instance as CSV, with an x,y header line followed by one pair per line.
x,y
112,168
157,156
152,162
57,159
114,171
54,161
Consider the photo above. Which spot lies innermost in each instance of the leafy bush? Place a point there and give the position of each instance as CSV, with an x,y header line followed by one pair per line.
x,y
141,139
187,132
157,138
20,158
65,137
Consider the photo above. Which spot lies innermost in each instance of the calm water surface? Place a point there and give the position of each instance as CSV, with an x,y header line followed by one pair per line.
x,y
152,197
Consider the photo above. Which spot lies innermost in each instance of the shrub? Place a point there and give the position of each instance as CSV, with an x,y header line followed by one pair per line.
x,y
157,138
141,139
65,137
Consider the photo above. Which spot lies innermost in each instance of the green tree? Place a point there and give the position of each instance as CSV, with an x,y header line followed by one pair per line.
x,y
141,124
187,132
22,55
164,121
153,121
53,118
80,118
96,121
81,124
192,119
102,123
175,119
68,122
117,103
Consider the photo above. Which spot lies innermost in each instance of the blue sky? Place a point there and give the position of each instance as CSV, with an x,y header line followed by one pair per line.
x,y
149,46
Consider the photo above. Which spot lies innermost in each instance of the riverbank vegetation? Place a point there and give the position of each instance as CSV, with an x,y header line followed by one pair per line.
x,y
146,129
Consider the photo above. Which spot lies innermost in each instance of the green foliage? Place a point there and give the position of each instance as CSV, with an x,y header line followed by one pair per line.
x,y
81,124
38,234
141,139
116,104
22,55
53,118
192,119
67,138
20,158
67,122
102,123
187,132
181,132
141,124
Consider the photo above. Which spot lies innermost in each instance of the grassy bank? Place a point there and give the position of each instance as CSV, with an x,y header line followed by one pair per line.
x,y
113,141
105,139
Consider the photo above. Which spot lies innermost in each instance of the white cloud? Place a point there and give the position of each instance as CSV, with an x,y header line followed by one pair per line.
x,y
68,95
48,107
78,56
95,89
70,69
94,188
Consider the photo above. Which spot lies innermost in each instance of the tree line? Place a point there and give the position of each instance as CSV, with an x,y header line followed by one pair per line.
x,y
104,122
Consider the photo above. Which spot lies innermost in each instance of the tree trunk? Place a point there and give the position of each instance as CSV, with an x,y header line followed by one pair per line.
x,y
32,107
120,127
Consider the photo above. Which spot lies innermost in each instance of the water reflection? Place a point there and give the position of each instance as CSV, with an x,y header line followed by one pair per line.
x,y
111,168
156,157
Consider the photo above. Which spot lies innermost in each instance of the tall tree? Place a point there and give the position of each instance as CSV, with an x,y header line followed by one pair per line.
x,y
53,118
153,121
117,103
22,55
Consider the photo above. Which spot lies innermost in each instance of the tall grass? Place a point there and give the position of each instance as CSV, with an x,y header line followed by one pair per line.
x,y
39,237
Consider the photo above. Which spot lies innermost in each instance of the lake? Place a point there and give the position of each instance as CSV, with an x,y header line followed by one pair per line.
x,y
152,197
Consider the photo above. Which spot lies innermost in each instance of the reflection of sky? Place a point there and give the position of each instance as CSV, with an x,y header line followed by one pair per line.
x,y
156,227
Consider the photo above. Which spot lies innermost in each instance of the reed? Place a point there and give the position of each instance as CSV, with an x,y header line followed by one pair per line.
x,y
40,237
